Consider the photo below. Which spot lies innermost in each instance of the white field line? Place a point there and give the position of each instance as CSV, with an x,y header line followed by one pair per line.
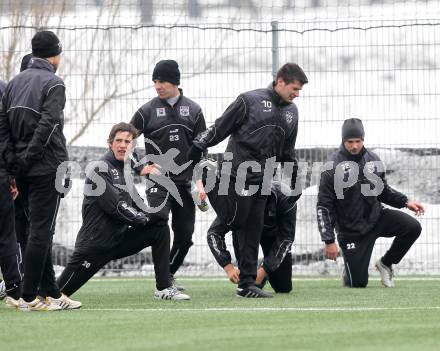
x,y
219,279
267,309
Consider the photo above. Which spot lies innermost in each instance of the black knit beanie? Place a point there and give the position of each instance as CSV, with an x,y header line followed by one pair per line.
x,y
167,70
352,128
46,44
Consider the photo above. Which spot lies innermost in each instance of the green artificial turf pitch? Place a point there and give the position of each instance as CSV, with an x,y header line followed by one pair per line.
x,y
121,314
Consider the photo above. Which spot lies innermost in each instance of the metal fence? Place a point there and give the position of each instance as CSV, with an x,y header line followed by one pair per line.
x,y
382,68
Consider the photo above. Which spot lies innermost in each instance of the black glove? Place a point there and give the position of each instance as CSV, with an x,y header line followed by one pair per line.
x,y
132,215
194,154
141,219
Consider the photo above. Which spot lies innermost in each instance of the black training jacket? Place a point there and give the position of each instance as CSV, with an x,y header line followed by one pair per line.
x,y
279,224
356,214
170,127
260,125
107,216
32,120
3,143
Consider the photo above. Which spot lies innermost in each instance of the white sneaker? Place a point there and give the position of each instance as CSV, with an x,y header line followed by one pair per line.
x,y
64,302
2,290
10,302
386,274
38,305
170,293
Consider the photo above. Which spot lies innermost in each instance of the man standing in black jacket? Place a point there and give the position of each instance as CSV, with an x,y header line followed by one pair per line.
x,y
21,202
2,283
169,122
32,112
113,227
276,242
9,253
20,199
350,200
262,125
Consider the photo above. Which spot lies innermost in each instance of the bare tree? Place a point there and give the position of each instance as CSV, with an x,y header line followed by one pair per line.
x,y
98,78
24,16
105,67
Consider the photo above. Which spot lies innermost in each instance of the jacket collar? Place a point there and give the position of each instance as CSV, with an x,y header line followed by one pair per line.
x,y
109,156
178,100
275,97
41,63
350,157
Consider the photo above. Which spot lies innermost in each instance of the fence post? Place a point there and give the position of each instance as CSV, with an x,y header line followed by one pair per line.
x,y
275,48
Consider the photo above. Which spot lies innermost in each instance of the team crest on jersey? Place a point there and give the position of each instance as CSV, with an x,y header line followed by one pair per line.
x,y
370,167
184,111
346,167
288,116
115,173
160,112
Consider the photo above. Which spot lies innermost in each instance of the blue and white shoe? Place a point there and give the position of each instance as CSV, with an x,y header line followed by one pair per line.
x,y
64,302
12,303
170,293
2,290
38,305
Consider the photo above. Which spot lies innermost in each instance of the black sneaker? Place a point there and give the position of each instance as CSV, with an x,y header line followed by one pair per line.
x,y
252,292
173,283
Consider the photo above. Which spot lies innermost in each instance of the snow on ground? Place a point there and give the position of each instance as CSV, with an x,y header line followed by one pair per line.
x,y
386,76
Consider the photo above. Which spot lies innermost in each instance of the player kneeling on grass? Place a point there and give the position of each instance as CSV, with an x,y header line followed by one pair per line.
x,y
114,227
276,241
350,200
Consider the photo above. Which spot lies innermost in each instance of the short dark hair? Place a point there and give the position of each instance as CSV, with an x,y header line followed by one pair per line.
x,y
122,127
290,72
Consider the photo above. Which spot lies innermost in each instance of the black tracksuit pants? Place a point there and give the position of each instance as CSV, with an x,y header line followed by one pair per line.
x,y
281,278
357,251
85,262
22,216
9,251
43,208
244,214
182,219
